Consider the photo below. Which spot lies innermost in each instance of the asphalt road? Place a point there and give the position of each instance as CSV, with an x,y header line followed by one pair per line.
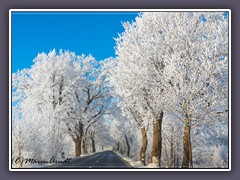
x,y
102,160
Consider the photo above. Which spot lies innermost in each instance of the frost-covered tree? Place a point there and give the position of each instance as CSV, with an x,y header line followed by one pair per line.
x,y
40,91
19,139
130,107
195,48
91,99
123,133
139,79
164,98
174,62
62,94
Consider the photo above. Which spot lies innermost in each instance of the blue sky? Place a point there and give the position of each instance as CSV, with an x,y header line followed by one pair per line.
x,y
83,32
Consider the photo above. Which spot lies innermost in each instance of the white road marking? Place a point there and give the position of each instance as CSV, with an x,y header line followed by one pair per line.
x,y
97,160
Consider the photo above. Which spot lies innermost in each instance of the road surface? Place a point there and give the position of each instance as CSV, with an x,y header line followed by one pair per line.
x,y
106,159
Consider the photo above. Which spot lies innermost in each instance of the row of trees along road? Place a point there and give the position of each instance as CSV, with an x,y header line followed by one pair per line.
x,y
60,97
163,100
172,64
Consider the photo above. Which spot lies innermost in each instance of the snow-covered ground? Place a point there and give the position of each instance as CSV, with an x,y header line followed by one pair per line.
x,y
135,164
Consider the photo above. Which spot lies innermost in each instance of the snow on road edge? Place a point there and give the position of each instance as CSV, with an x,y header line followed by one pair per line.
x,y
130,162
135,164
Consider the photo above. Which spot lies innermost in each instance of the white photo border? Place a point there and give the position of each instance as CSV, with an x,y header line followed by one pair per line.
x,y
118,10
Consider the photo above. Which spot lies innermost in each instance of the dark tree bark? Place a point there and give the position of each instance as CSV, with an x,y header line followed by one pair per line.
x,y
118,146
77,143
84,144
187,151
190,151
128,146
172,150
121,148
77,139
93,144
143,146
176,154
157,139
92,135
20,164
63,155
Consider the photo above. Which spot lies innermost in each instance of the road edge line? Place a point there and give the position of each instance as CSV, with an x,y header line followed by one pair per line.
x,y
123,160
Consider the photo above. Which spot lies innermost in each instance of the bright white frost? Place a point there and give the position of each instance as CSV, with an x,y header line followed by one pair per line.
x,y
170,62
56,94
175,61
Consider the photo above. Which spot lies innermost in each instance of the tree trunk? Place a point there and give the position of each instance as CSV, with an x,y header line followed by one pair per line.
x,y
84,144
166,156
190,151
187,151
91,135
93,145
121,148
128,146
177,156
63,155
77,143
118,146
144,146
172,150
157,139
21,160
78,140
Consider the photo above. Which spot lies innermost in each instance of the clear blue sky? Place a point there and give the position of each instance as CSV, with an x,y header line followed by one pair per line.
x,y
83,32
